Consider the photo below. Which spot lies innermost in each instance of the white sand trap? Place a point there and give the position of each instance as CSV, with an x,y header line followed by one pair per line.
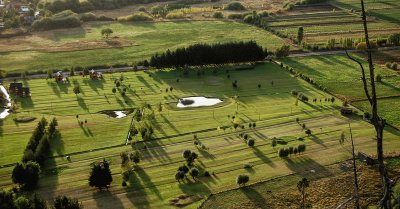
x,y
198,102
5,112
120,114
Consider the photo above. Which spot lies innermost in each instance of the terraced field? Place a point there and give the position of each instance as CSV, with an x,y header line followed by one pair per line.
x,y
321,26
388,10
152,183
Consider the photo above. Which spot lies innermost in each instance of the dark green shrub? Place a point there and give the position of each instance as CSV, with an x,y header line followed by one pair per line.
x,y
218,15
235,6
140,16
64,19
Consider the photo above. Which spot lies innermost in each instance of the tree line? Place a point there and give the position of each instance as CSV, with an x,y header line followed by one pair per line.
x,y
203,54
26,174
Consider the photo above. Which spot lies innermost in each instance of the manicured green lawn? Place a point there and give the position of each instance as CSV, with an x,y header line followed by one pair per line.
x,y
146,39
152,184
342,77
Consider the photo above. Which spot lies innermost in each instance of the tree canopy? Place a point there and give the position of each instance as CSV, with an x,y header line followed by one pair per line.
x,y
100,175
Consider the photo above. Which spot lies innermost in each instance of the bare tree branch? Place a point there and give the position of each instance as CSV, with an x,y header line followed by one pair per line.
x,y
363,78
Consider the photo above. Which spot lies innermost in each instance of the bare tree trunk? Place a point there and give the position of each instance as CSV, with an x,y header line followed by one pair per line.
x,y
378,122
357,197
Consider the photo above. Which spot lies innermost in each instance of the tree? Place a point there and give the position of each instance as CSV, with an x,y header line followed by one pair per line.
x,y
283,51
7,199
308,132
77,90
342,137
179,176
63,202
184,169
301,186
300,35
106,32
114,90
194,172
250,142
26,175
186,154
242,179
100,175
135,157
72,72
378,122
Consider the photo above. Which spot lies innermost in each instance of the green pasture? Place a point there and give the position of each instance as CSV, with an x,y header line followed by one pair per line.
x,y
144,40
341,76
152,184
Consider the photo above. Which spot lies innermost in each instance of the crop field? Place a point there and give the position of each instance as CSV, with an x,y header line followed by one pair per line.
x,y
84,46
152,184
325,70
388,10
321,26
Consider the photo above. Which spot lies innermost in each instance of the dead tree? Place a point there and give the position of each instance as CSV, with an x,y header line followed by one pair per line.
x,y
376,120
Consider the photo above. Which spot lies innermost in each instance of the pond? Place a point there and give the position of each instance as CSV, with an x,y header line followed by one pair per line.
x,y
5,112
117,113
197,102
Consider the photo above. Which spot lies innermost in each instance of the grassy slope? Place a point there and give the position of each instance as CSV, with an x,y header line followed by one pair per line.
x,y
151,186
340,75
148,38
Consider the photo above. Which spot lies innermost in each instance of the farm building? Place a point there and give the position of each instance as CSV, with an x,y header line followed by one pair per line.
x,y
19,90
95,75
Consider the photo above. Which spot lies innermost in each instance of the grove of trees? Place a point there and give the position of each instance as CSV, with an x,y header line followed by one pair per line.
x,y
203,54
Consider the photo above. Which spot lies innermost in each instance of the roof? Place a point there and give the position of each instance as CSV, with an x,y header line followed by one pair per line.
x,y
15,85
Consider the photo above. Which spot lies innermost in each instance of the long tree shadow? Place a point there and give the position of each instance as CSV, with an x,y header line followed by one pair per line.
x,y
192,187
141,173
105,199
142,80
254,196
81,103
317,140
26,102
135,191
170,124
304,163
257,152
94,84
57,144
156,150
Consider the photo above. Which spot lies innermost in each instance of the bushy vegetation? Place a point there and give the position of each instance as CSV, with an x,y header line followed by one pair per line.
x,y
89,5
202,54
283,51
218,15
234,6
140,16
89,16
64,19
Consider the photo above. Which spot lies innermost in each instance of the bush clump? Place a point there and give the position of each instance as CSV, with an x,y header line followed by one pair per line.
x,y
235,6
218,15
64,19
140,16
